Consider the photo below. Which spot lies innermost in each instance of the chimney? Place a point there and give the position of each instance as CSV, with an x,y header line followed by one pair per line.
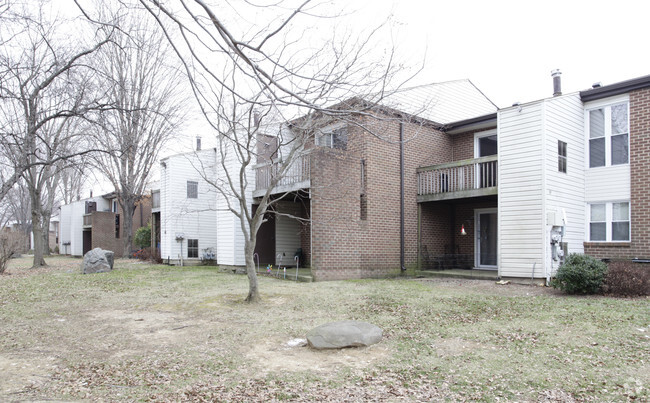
x,y
198,143
557,82
91,193
256,118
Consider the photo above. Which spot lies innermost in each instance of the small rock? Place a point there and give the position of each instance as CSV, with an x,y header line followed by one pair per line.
x,y
297,343
348,333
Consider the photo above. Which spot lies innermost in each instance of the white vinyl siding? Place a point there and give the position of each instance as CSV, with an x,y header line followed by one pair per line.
x,y
287,233
530,185
565,192
520,193
195,218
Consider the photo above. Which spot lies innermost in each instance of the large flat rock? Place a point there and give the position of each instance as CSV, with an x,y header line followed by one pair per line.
x,y
347,333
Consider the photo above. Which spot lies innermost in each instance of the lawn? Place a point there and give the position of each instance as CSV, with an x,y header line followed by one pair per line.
x,y
151,332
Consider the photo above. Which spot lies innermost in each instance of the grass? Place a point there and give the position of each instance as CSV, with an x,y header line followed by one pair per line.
x,y
150,332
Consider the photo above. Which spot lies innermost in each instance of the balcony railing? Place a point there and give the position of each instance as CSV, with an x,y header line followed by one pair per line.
x,y
295,177
88,220
466,178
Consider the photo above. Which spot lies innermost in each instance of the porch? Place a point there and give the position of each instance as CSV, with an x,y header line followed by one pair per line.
x,y
474,274
475,177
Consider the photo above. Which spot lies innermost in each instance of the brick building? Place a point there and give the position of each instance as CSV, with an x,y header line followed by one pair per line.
x,y
97,222
439,179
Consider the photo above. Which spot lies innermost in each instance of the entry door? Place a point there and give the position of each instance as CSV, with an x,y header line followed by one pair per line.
x,y
486,238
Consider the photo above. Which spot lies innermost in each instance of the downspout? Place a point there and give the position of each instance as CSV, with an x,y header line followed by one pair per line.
x,y
401,197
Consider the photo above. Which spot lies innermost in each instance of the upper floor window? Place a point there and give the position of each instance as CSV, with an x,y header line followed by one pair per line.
x,y
609,135
114,206
192,190
561,156
609,222
336,138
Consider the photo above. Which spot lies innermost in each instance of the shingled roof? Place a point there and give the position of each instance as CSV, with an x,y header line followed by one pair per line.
x,y
442,103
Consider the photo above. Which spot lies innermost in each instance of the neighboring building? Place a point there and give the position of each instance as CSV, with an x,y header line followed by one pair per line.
x,y
97,222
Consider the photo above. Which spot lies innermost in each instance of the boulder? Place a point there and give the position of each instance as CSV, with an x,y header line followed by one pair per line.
x,y
348,333
97,261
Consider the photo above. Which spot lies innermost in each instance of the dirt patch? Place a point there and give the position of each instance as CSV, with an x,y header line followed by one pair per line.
x,y
23,372
278,356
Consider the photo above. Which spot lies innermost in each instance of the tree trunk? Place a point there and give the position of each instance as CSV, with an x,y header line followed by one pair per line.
x,y
128,209
46,217
37,230
253,289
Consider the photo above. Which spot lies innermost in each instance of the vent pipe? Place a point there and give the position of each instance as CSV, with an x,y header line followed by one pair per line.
x,y
557,82
198,143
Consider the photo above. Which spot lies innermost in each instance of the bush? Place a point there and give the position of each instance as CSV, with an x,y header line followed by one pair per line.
x,y
142,237
627,279
10,244
580,274
148,254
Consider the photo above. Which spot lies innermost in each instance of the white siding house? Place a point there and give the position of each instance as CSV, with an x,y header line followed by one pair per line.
x,y
187,207
71,230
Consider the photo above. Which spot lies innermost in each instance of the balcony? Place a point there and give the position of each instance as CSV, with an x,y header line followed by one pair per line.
x,y
155,201
296,177
88,220
459,179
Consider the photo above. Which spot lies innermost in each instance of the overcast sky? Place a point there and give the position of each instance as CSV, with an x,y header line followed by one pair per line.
x,y
508,48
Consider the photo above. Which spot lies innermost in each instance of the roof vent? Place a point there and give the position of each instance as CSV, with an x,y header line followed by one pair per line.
x,y
596,85
516,104
557,82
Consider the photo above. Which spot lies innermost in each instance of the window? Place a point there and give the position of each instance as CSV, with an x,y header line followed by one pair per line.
x,y
336,138
192,248
609,135
609,222
561,156
192,190
114,206
117,225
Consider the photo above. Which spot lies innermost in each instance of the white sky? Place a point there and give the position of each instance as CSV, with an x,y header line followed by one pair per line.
x,y
508,48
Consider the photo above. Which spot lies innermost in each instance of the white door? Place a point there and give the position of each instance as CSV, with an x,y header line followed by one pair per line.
x,y
485,246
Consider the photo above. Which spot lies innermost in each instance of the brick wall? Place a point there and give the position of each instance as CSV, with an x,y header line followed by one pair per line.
x,y
639,245
344,245
103,228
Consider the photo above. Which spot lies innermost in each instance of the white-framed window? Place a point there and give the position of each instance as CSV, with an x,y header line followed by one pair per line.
x,y
114,206
561,156
333,138
192,248
608,134
192,190
609,222
485,143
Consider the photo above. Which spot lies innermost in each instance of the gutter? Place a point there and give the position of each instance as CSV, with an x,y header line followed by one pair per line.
x,y
615,89
401,197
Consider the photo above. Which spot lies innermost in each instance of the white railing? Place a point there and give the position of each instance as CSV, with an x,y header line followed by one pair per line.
x,y
472,174
298,171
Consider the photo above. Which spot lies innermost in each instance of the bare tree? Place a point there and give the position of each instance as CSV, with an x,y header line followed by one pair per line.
x,y
145,92
45,83
277,69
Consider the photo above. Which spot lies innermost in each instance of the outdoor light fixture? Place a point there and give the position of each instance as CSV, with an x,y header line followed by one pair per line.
x,y
462,226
